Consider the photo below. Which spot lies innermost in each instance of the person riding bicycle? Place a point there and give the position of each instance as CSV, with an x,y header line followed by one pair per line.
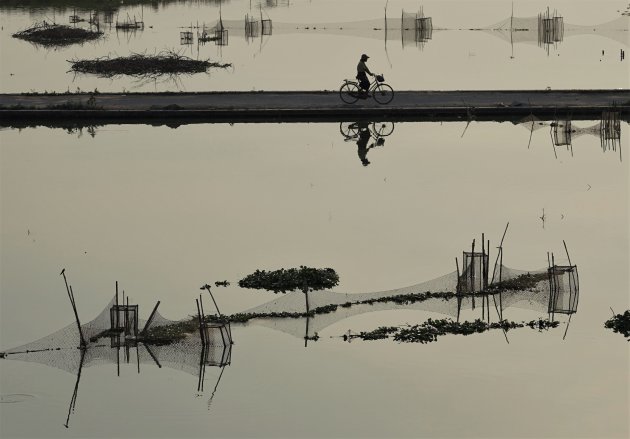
x,y
362,72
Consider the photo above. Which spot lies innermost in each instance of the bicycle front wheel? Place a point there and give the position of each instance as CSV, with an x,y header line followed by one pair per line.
x,y
383,94
383,129
349,92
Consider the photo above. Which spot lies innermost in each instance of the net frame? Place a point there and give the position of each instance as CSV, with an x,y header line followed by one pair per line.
x,y
474,276
562,133
564,289
128,314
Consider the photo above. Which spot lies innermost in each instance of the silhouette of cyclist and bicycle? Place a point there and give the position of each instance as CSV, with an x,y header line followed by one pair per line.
x,y
351,91
362,132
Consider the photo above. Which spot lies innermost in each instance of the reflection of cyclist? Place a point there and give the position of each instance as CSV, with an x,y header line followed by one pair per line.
x,y
362,142
362,72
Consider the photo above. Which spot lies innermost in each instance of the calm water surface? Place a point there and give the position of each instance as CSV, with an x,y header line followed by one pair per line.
x,y
316,44
165,210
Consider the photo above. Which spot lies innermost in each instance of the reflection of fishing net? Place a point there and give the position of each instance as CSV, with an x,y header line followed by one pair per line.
x,y
69,338
527,30
251,27
532,123
415,28
184,355
561,133
185,37
564,289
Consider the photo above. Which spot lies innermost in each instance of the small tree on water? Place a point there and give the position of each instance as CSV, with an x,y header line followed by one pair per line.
x,y
304,279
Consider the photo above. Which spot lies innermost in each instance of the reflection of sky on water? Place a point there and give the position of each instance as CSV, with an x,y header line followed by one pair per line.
x,y
320,58
164,210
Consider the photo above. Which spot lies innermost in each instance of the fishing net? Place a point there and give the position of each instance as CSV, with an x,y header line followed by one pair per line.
x,y
474,276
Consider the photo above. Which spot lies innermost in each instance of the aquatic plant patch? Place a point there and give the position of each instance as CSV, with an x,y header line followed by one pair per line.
x,y
432,329
292,279
620,323
56,34
142,65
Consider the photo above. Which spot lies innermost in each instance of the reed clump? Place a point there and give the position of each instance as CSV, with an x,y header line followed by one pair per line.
x,y
143,65
48,34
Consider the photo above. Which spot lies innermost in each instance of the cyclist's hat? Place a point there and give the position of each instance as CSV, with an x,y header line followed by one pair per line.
x,y
364,56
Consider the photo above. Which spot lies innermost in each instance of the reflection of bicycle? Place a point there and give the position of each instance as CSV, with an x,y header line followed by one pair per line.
x,y
377,130
350,91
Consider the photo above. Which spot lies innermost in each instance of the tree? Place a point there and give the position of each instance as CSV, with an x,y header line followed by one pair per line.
x,y
305,279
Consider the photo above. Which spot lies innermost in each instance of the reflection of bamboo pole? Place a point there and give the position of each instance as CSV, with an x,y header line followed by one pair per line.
x,y
472,273
73,400
555,287
152,355
201,331
457,286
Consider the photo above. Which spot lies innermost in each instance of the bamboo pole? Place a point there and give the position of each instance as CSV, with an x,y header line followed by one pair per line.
x,y
151,317
74,307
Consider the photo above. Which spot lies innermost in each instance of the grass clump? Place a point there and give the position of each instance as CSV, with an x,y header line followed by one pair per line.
x,y
141,65
56,34
620,323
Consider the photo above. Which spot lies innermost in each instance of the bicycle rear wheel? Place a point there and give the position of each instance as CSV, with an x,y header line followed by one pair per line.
x,y
383,94
349,130
349,92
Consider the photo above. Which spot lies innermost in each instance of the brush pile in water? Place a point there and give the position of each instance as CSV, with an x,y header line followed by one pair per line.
x,y
165,63
56,34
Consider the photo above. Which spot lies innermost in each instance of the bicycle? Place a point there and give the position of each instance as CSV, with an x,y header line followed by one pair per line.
x,y
350,91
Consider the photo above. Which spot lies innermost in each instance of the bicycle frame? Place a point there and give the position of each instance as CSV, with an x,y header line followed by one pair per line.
x,y
350,91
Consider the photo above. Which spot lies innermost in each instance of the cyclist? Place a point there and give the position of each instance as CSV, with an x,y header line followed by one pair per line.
x,y
362,72
362,142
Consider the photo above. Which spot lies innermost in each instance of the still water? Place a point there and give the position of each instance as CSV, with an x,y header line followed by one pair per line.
x,y
164,210
314,45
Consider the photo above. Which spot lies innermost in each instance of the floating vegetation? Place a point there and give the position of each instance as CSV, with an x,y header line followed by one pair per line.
x,y
430,330
620,323
141,65
56,34
170,333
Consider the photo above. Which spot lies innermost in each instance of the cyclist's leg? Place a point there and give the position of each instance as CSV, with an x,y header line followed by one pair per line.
x,y
364,82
